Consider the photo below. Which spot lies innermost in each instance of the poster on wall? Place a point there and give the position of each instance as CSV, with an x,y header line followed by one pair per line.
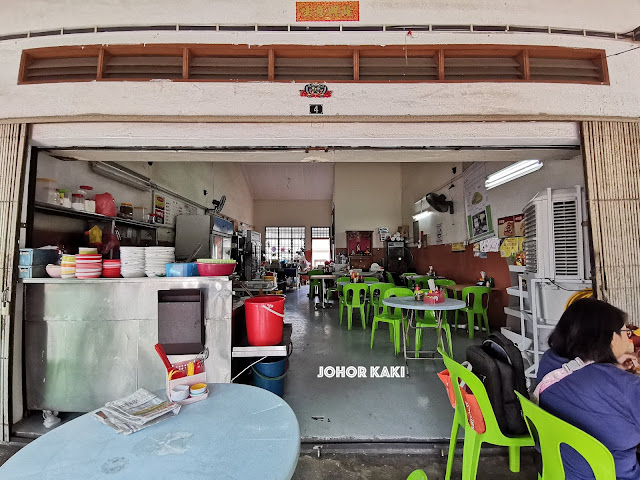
x,y
158,207
439,237
384,233
478,209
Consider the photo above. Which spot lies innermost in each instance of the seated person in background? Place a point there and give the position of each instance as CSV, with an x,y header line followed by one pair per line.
x,y
601,399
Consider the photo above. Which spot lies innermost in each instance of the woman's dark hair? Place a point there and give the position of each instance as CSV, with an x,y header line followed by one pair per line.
x,y
585,330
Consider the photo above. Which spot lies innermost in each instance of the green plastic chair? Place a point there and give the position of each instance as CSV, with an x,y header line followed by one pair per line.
x,y
551,432
371,280
472,439
478,307
443,282
417,475
315,283
423,282
428,320
336,288
376,294
390,278
355,295
393,319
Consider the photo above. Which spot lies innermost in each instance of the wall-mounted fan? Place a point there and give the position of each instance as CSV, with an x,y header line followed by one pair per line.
x,y
219,204
439,202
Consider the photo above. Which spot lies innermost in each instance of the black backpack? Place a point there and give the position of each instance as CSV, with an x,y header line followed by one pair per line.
x,y
498,364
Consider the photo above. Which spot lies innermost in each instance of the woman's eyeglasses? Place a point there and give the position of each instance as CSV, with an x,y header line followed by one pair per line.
x,y
627,331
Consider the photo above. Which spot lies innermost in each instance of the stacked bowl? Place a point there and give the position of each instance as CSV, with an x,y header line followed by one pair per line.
x,y
68,266
156,259
111,268
132,262
88,266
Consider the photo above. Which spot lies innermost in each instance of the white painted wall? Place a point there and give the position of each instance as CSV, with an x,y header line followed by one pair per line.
x,y
297,213
367,197
590,14
229,180
505,200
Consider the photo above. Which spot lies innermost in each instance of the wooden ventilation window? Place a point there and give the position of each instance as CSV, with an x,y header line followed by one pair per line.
x,y
320,69
229,68
483,68
560,69
142,67
306,63
398,69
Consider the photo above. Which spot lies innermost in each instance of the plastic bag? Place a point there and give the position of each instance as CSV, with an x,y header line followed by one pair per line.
x,y
471,407
105,205
109,243
95,235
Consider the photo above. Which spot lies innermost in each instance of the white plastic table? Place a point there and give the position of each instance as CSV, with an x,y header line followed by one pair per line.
x,y
322,294
410,304
239,432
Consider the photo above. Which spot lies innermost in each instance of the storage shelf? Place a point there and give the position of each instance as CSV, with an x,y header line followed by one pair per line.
x,y
514,291
512,311
58,210
517,268
280,350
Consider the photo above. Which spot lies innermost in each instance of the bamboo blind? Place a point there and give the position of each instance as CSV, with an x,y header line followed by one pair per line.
x,y
12,148
612,162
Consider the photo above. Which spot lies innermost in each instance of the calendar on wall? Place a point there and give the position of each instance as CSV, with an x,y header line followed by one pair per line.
x,y
167,208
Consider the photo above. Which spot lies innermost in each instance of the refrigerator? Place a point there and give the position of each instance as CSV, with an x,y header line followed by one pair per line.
x,y
211,232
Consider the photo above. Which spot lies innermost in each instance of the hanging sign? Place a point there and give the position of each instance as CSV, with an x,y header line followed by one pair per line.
x,y
327,11
457,247
479,221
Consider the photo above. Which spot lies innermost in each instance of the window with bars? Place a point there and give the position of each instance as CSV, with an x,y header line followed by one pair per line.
x,y
282,243
320,232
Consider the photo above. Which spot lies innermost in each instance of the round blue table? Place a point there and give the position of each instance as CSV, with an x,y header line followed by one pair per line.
x,y
239,432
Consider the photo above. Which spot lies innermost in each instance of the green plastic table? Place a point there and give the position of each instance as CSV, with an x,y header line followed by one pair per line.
x,y
239,432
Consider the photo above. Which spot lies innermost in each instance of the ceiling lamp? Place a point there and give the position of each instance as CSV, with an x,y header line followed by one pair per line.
x,y
121,174
512,172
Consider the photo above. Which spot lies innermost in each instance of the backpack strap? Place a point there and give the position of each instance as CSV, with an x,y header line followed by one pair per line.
x,y
556,375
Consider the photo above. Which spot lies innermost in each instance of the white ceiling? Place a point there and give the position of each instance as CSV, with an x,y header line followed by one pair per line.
x,y
290,181
308,175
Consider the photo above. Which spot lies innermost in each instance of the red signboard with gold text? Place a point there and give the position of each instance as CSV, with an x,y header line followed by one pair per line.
x,y
327,11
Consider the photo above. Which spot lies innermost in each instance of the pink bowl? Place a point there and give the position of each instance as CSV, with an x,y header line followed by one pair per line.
x,y
215,269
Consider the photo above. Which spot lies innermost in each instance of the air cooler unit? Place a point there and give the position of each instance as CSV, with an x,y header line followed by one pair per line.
x,y
555,241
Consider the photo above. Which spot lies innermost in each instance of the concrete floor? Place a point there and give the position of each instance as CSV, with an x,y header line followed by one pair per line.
x,y
413,409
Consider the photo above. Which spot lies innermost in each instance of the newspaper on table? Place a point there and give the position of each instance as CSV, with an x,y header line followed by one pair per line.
x,y
135,412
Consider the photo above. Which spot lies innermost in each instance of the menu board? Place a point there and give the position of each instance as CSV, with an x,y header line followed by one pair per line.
x,y
166,208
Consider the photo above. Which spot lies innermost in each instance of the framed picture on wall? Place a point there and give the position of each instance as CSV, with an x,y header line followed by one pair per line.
x,y
359,242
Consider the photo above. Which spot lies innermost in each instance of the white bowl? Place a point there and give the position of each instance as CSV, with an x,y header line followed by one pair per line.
x,y
54,271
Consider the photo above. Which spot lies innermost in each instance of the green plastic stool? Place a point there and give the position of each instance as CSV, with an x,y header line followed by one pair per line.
x,y
552,432
376,294
355,295
417,475
315,283
390,278
428,320
393,319
477,308
472,439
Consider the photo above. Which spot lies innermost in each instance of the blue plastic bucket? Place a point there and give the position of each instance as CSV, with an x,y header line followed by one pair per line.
x,y
272,367
273,384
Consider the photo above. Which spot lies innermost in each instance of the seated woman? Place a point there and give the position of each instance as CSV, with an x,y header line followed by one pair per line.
x,y
600,398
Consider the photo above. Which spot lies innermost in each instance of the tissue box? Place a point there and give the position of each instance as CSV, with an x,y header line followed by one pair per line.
x,y
37,256
432,298
182,270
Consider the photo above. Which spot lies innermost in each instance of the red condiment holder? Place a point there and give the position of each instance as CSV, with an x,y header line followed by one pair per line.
x,y
432,298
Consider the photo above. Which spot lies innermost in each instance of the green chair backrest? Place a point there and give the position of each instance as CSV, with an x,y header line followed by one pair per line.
x,y
479,293
355,293
315,272
390,278
417,475
344,280
379,289
552,432
395,292
423,282
459,373
371,280
443,282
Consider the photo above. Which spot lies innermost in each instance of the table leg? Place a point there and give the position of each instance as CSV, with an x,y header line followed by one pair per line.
x,y
439,329
404,339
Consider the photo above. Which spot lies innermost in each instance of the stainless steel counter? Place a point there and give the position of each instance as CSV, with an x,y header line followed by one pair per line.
x,y
91,341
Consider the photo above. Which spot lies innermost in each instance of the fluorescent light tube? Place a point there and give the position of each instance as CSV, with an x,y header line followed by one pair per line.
x,y
512,172
421,215
121,175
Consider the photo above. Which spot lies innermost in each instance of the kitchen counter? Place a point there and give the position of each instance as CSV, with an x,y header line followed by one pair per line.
x,y
91,341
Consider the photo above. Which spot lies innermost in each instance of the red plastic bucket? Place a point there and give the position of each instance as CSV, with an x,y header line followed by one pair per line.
x,y
264,320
